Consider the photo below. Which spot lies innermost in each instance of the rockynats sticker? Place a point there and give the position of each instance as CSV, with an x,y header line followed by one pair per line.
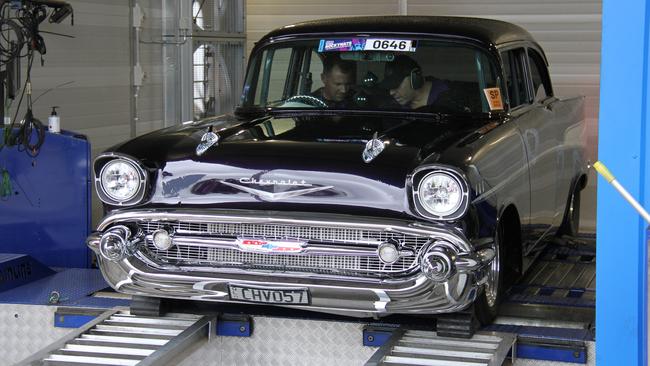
x,y
354,44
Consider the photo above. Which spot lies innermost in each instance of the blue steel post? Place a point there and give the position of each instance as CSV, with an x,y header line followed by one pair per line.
x,y
621,277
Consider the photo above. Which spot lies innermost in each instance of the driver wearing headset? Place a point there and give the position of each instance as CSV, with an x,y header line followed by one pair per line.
x,y
338,77
404,81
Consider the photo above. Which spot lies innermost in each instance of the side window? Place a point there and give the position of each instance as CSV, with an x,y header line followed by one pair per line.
x,y
514,73
539,75
279,69
315,69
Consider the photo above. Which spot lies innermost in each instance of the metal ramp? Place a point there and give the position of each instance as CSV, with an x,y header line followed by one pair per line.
x,y
413,347
118,338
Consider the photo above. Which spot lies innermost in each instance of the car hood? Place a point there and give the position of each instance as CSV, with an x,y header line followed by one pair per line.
x,y
306,163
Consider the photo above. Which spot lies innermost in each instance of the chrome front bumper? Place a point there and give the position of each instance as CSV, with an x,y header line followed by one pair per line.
x,y
349,295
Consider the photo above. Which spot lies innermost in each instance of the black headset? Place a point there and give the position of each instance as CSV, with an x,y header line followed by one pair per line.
x,y
416,78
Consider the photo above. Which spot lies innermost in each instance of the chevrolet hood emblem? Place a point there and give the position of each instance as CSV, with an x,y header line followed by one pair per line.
x,y
275,196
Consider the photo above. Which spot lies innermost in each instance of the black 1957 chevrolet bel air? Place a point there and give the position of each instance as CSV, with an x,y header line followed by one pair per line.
x,y
375,166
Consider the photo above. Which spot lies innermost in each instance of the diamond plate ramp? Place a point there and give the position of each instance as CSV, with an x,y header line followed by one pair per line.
x,y
287,342
412,347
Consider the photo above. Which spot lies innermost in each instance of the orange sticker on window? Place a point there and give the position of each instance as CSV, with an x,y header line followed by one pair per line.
x,y
493,96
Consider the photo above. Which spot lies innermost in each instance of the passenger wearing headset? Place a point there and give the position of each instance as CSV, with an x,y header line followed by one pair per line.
x,y
404,81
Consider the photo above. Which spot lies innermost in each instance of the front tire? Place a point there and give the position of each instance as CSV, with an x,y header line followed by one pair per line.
x,y
571,223
146,306
486,305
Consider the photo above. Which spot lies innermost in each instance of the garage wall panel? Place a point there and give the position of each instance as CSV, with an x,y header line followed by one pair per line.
x,y
265,15
150,96
89,76
94,65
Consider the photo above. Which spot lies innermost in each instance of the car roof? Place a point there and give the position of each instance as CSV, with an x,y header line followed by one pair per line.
x,y
488,31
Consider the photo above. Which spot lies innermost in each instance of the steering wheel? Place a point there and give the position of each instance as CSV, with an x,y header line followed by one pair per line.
x,y
307,99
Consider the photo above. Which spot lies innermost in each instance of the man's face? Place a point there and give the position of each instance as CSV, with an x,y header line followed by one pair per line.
x,y
336,84
403,94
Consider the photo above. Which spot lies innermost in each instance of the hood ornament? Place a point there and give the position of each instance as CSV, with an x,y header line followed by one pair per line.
x,y
374,147
207,140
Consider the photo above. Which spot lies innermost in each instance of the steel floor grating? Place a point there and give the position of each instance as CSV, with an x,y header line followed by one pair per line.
x,y
560,285
562,275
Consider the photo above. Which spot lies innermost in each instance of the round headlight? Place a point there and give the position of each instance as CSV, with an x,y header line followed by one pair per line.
x,y
440,193
120,180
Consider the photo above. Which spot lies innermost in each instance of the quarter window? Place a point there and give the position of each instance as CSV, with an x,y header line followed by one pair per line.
x,y
514,73
539,75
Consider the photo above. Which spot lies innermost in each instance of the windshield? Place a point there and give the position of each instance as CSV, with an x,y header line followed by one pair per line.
x,y
373,74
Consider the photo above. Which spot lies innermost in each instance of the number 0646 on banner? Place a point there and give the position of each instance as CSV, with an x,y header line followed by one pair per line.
x,y
380,44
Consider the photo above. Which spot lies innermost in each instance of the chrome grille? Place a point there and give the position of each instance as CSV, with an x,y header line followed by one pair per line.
x,y
197,255
318,234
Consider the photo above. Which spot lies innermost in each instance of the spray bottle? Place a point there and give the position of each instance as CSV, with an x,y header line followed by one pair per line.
x,y
54,122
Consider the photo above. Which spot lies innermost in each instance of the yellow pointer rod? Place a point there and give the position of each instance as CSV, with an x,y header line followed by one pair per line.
x,y
602,169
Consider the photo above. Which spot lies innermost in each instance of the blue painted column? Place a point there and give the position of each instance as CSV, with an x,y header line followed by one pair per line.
x,y
621,261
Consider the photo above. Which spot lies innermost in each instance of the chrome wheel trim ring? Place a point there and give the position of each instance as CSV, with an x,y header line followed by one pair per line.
x,y
573,222
492,284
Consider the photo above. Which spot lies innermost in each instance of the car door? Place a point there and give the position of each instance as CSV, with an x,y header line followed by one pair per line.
x,y
535,123
554,129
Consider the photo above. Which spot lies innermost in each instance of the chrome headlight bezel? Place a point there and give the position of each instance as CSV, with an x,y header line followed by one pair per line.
x,y
422,173
101,162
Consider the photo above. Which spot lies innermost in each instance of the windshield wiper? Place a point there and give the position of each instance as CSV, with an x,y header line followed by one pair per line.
x,y
332,112
253,111
435,117
411,114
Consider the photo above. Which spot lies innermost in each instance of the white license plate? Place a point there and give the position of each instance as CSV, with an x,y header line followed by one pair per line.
x,y
269,295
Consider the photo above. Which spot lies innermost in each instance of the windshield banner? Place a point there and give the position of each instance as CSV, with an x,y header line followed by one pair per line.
x,y
366,44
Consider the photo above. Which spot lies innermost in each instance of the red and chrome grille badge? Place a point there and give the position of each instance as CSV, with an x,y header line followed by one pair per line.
x,y
270,246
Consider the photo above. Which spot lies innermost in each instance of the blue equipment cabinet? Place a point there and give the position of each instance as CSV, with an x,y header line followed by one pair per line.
x,y
623,135
47,214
